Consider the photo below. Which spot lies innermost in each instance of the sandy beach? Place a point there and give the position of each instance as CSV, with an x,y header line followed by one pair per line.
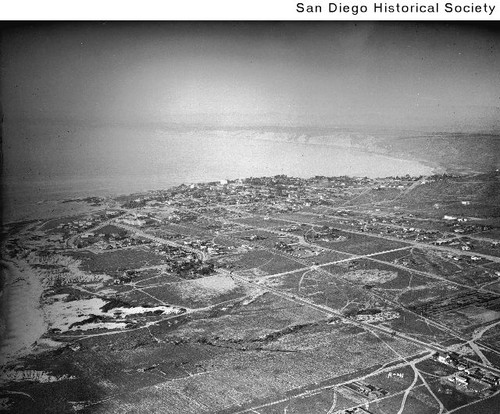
x,y
22,318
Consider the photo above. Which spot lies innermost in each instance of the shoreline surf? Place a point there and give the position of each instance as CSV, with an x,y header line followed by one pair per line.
x,y
22,317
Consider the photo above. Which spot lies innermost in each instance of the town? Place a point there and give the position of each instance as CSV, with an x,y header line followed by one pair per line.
x,y
267,295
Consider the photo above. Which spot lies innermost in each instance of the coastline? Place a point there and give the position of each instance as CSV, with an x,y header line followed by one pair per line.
x,y
22,318
28,203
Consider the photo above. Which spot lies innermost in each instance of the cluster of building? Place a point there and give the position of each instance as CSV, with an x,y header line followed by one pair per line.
x,y
460,228
458,243
367,390
467,373
406,228
79,225
462,260
172,252
296,249
254,237
125,277
281,192
396,227
109,241
185,264
466,244
207,246
356,410
326,234
134,219
293,228
378,226
283,247
377,317
179,216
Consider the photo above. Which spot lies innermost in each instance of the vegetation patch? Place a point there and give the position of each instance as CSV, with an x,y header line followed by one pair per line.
x,y
199,292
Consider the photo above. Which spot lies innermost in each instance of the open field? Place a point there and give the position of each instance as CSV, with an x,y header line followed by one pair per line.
x,y
322,289
112,262
251,379
197,293
262,262
359,244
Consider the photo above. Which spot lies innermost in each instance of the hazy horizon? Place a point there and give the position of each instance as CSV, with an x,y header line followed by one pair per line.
x,y
441,76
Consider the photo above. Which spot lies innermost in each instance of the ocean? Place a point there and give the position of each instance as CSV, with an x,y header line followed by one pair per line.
x,y
55,162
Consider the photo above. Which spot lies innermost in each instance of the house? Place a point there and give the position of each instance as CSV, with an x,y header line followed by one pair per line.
x,y
459,380
442,359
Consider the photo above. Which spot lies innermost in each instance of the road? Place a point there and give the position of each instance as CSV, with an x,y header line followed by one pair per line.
x,y
372,256
413,243
408,245
309,267
369,327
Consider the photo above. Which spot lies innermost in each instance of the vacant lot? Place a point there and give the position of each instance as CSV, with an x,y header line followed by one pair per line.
x,y
159,279
110,229
377,195
360,244
262,262
253,319
322,288
265,238
315,402
198,293
418,328
112,262
401,279
329,257
280,264
415,403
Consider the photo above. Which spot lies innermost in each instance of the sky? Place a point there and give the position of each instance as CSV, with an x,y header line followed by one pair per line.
x,y
331,73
